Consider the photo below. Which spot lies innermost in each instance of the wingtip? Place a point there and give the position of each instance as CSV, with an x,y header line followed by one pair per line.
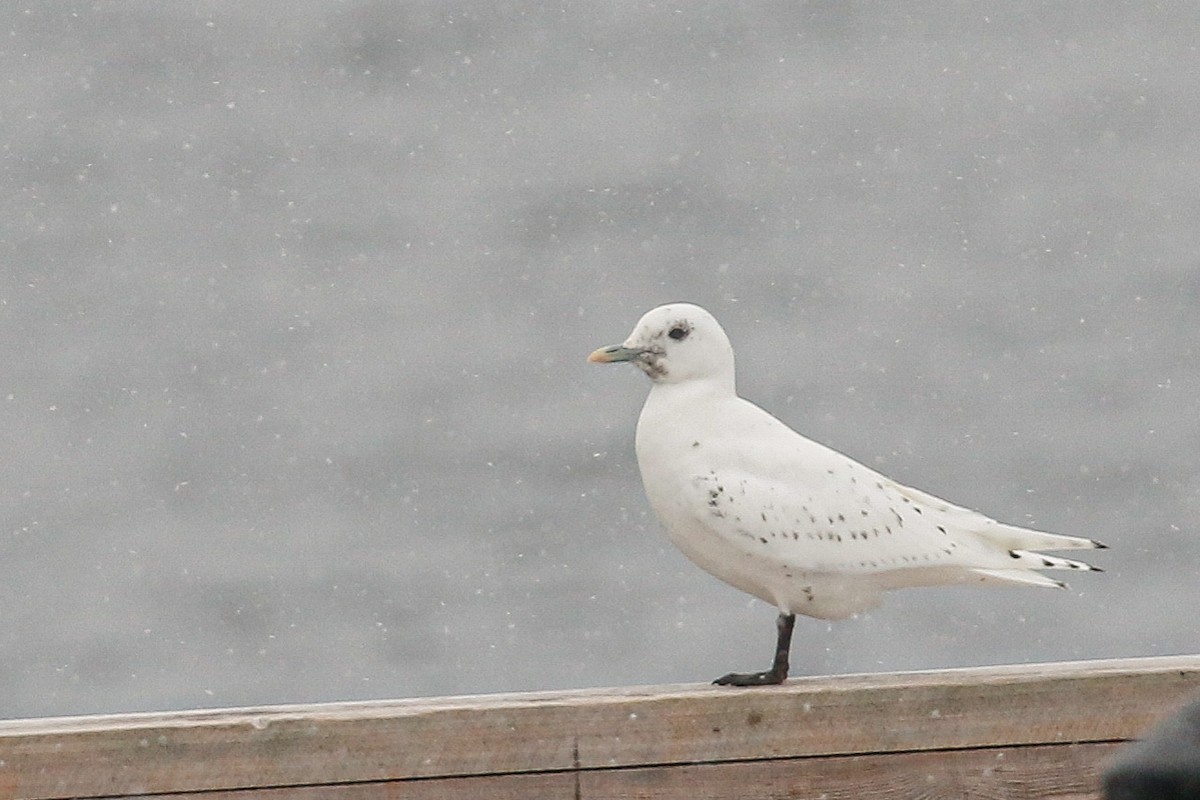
x,y
1099,545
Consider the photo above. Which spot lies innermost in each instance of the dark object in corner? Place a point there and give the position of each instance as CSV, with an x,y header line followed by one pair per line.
x,y
1163,766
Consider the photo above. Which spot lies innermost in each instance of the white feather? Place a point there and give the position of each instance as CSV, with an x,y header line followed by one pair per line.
x,y
787,519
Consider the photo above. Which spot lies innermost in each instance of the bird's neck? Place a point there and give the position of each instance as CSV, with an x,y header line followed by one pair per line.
x,y
693,391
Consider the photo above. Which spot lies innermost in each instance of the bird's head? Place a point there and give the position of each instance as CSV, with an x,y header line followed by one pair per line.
x,y
674,343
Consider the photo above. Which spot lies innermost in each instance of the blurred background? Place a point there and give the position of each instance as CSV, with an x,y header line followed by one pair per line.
x,y
295,301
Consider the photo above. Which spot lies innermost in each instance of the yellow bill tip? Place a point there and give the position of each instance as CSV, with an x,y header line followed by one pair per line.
x,y
600,356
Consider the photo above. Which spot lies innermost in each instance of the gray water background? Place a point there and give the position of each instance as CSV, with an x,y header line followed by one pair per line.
x,y
295,300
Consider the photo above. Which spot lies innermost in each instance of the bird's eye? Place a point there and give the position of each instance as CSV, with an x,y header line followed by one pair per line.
x,y
678,333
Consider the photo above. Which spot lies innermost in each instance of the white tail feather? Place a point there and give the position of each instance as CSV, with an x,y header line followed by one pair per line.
x,y
1028,560
1010,537
1018,576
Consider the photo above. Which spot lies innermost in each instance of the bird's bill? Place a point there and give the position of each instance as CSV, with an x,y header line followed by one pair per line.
x,y
614,353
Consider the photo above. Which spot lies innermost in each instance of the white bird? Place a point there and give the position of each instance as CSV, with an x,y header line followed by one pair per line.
x,y
784,518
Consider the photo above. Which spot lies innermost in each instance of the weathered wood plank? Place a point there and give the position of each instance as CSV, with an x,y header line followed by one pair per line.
x,y
498,787
381,742
1049,772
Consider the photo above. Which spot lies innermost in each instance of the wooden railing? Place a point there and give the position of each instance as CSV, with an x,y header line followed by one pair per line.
x,y
1028,731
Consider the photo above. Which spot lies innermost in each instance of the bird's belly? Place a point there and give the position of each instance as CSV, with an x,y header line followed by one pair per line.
x,y
824,595
718,557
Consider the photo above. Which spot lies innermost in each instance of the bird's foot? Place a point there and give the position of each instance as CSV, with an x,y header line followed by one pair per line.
x,y
779,667
771,677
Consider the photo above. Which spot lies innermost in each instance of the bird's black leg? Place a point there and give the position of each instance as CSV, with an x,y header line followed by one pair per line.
x,y
779,668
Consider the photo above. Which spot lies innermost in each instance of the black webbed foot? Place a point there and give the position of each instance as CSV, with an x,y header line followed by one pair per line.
x,y
768,678
779,667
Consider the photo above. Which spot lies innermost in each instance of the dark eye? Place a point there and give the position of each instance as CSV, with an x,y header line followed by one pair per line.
x,y
678,333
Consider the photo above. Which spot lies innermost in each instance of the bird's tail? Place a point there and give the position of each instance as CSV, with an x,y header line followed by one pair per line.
x,y
1024,562
1010,537
1016,576
1022,544
1030,560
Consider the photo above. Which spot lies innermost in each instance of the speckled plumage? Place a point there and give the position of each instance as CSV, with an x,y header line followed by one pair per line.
x,y
784,518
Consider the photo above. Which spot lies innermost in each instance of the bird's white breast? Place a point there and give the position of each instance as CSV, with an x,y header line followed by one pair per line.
x,y
700,458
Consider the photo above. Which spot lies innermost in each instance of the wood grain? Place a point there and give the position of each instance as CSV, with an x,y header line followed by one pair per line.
x,y
1063,772
1053,772
550,742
